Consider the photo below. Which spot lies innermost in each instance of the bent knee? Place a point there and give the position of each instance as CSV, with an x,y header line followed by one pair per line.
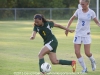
x,y
40,55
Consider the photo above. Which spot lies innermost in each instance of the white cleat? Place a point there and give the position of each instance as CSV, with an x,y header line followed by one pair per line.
x,y
93,64
84,70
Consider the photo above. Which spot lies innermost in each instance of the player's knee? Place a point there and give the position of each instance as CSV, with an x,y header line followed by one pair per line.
x,y
40,55
77,52
78,55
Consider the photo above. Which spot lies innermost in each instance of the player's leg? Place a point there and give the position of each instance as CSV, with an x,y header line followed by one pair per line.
x,y
80,58
87,50
88,54
87,41
77,45
77,50
52,54
55,61
43,52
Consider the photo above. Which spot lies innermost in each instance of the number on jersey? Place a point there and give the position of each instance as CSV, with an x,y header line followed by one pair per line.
x,y
83,23
44,33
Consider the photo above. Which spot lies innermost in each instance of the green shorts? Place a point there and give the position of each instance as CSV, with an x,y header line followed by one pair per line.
x,y
52,45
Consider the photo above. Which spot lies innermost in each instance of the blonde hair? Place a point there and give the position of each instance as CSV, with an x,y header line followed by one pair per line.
x,y
88,1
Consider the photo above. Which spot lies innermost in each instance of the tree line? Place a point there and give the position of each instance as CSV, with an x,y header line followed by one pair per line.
x,y
38,3
42,3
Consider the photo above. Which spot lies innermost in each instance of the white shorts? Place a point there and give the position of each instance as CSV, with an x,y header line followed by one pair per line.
x,y
49,47
80,40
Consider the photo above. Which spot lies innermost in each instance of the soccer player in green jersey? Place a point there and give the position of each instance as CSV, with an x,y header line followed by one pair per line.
x,y
43,27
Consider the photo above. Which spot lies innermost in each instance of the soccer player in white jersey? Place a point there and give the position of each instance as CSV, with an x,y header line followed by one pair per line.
x,y
82,35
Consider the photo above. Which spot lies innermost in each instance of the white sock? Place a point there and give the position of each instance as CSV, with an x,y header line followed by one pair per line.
x,y
92,58
81,61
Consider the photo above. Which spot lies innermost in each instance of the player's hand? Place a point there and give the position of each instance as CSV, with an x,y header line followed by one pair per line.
x,y
32,37
66,32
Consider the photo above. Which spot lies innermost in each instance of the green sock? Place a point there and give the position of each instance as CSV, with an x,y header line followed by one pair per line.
x,y
41,61
65,62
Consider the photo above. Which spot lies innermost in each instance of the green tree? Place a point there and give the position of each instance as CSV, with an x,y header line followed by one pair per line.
x,y
57,4
42,3
70,3
7,3
31,4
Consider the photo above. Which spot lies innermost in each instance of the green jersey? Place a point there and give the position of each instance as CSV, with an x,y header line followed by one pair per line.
x,y
45,31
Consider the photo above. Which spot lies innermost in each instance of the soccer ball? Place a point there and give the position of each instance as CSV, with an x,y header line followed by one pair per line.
x,y
46,67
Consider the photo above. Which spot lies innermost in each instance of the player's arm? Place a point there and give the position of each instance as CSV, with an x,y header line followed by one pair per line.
x,y
69,23
33,35
96,21
62,27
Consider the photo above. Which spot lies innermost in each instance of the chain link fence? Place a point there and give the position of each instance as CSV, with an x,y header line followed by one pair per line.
x,y
28,13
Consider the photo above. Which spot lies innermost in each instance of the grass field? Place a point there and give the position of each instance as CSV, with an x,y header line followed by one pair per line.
x,y
19,55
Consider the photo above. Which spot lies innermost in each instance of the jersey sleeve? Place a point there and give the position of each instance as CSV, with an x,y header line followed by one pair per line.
x,y
51,24
35,28
76,13
93,14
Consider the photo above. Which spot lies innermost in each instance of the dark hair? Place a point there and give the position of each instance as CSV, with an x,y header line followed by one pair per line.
x,y
40,17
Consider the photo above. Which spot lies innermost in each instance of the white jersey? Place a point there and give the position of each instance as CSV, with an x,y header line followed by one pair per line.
x,y
83,24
